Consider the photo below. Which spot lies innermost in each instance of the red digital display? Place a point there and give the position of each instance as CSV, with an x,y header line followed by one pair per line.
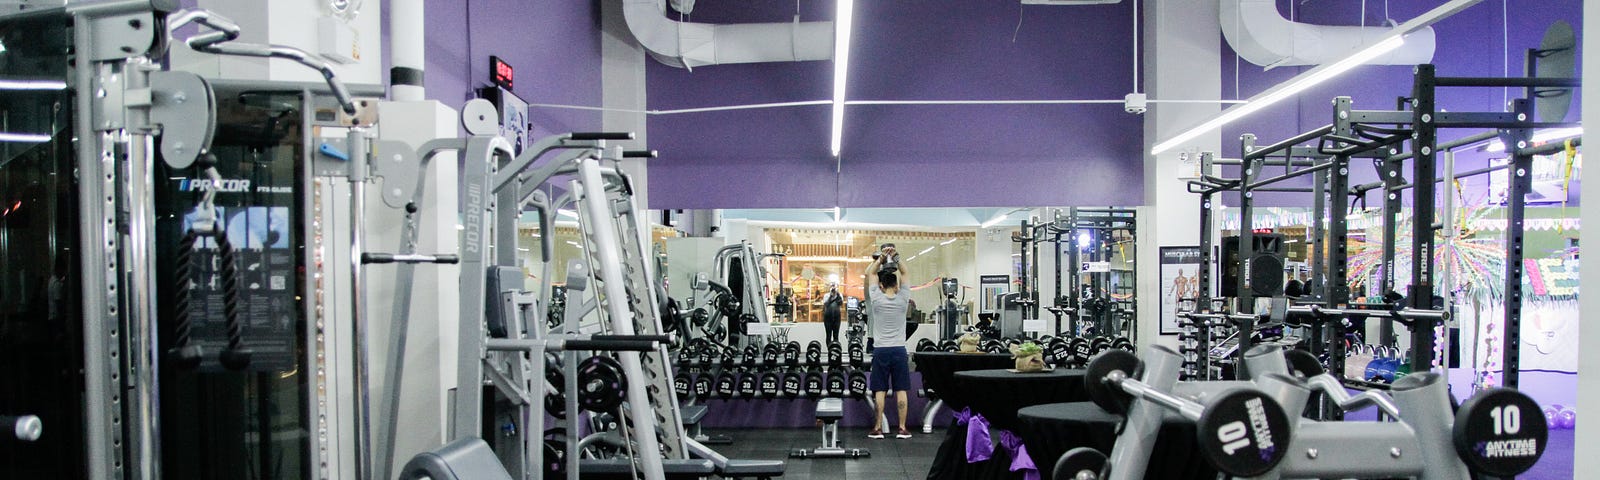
x,y
1262,230
500,72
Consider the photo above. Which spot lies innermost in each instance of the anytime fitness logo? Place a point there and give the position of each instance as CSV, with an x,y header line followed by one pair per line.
x,y
227,185
1263,430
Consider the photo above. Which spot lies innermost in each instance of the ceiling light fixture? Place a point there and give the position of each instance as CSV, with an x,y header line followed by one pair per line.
x,y
841,68
1315,76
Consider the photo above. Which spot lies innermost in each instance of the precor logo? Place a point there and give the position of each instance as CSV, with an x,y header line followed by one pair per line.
x,y
227,185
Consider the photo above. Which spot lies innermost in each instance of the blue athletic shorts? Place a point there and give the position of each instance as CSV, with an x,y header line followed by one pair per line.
x,y
890,367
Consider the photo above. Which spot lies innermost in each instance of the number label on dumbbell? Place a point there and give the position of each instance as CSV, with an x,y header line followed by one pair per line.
x,y
1241,432
1507,419
1491,436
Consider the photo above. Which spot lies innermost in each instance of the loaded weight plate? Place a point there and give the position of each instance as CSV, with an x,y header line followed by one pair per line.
x,y
791,354
702,386
554,402
815,385
1099,345
727,385
1110,398
858,384
1499,432
771,353
838,384
747,385
770,383
1081,350
683,385
602,386
1080,463
793,384
1243,432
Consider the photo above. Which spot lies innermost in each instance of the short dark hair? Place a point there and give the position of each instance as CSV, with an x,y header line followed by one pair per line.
x,y
888,280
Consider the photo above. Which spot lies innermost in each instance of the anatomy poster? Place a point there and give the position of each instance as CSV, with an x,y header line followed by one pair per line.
x,y
1180,284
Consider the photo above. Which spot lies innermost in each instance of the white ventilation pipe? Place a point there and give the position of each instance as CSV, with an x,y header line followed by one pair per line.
x,y
406,50
689,44
1261,35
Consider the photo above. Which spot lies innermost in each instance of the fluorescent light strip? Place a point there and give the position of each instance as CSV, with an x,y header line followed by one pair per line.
x,y
24,137
14,84
925,251
947,242
1319,74
1284,90
1541,136
841,68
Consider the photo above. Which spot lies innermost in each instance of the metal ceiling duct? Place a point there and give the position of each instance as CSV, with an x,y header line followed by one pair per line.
x,y
690,44
1261,35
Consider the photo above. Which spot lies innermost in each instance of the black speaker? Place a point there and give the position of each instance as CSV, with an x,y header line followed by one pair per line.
x,y
1263,271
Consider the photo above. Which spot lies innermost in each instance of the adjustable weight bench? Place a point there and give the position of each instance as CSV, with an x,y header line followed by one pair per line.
x,y
830,411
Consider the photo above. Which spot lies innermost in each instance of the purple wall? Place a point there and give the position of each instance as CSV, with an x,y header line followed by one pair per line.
x,y
1470,43
911,156
555,47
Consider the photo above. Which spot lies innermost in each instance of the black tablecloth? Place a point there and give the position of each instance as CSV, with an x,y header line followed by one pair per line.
x,y
1052,429
938,368
998,394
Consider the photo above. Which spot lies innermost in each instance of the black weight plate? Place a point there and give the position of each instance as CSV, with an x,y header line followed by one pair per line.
x,y
752,356
1500,432
791,354
554,402
835,354
1062,352
1049,356
1076,462
992,346
727,385
747,385
926,345
1303,363
1122,343
1243,432
949,346
771,353
702,386
1081,350
858,383
1098,345
602,386
838,384
793,384
1109,397
683,385
554,458
771,385
815,385
709,356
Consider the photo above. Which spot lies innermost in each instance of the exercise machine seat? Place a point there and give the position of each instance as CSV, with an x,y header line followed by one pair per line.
x,y
830,409
691,414
464,459
752,468
623,468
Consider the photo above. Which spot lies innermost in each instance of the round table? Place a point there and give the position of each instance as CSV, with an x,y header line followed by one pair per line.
x,y
1050,430
998,394
939,368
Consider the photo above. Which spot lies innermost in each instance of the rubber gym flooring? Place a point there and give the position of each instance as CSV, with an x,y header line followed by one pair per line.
x,y
892,459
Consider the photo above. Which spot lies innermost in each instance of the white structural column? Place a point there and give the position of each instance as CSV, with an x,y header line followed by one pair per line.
x,y
623,87
1589,338
1182,61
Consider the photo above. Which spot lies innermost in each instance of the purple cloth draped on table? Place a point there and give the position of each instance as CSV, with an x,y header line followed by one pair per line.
x,y
979,447
1020,461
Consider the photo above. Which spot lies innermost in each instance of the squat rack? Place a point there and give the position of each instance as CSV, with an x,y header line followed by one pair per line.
x,y
1380,136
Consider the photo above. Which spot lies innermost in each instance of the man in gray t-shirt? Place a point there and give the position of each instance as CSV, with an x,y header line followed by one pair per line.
x,y
891,369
